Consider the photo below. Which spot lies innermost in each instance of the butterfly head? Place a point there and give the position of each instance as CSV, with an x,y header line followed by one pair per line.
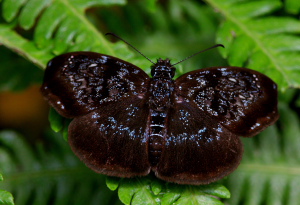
x,y
163,69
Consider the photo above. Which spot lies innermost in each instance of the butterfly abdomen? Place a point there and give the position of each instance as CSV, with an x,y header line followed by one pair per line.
x,y
156,137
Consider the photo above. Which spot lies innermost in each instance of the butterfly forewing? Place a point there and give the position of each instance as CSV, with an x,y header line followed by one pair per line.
x,y
79,82
198,150
242,100
113,141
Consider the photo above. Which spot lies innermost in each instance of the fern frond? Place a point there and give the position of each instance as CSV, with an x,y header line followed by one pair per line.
x,y
254,38
292,6
22,46
48,173
270,169
60,26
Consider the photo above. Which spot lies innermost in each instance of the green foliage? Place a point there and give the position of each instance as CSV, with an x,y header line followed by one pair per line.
x,y
150,190
263,35
60,25
269,173
292,6
18,75
175,32
56,120
11,39
255,38
48,173
5,197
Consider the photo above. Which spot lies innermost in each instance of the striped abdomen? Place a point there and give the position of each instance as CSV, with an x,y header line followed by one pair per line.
x,y
157,133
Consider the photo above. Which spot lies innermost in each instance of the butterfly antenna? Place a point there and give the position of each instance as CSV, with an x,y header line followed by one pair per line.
x,y
129,45
215,46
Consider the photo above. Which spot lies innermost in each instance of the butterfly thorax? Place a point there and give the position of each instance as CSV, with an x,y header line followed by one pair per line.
x,y
161,91
162,85
163,69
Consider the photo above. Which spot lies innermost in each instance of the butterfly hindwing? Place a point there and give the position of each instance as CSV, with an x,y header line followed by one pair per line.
x,y
242,100
197,149
113,141
79,82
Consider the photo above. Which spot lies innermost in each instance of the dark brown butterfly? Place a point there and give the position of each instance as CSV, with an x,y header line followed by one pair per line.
x,y
185,130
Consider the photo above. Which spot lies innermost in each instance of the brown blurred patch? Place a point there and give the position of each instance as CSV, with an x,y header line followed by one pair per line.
x,y
24,111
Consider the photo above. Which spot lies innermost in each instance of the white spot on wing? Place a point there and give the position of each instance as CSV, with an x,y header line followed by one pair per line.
x,y
232,79
93,65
